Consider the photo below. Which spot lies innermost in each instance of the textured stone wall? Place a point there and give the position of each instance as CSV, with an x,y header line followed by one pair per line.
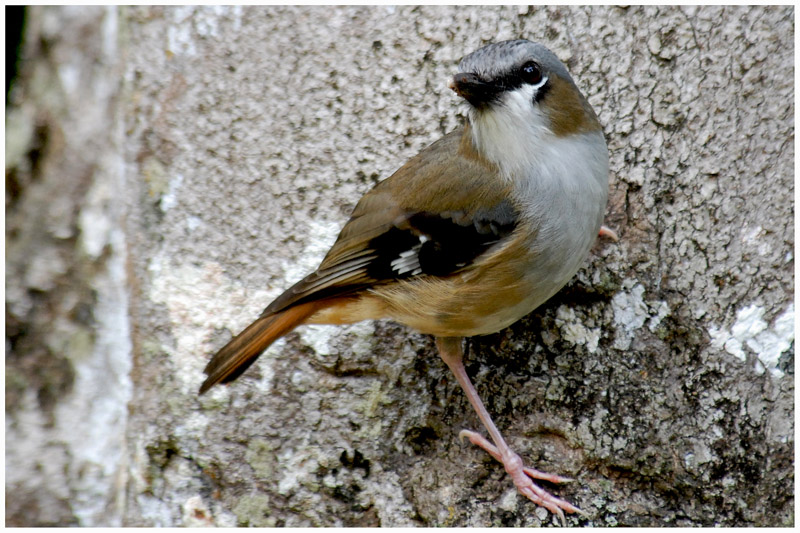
x,y
170,170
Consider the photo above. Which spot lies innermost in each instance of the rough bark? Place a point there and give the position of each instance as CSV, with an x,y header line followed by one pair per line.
x,y
171,170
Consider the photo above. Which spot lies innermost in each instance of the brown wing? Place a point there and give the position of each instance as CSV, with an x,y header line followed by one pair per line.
x,y
434,216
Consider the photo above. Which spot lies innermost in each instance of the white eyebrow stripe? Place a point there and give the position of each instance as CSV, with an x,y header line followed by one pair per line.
x,y
541,83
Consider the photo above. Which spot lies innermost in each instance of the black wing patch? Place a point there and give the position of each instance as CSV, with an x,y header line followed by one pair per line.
x,y
419,243
438,244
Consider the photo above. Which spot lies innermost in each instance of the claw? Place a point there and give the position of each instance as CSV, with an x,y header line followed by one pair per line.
x,y
605,231
552,478
465,434
522,476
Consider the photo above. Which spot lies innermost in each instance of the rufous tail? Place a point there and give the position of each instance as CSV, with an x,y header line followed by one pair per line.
x,y
235,357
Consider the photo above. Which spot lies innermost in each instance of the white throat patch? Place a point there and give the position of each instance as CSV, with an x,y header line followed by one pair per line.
x,y
512,132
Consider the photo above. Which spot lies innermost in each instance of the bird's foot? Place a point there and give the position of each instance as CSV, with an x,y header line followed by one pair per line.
x,y
605,231
522,476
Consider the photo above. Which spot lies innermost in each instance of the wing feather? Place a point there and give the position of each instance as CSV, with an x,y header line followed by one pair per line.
x,y
434,216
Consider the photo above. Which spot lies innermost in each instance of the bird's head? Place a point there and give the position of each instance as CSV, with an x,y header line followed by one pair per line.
x,y
525,80
521,101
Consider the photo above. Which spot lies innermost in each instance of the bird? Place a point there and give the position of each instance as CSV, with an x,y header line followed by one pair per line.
x,y
467,237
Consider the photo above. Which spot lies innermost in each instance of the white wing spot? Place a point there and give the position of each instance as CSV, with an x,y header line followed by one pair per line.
x,y
409,260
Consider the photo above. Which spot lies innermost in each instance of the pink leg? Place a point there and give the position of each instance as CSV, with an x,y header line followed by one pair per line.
x,y
605,231
480,441
451,351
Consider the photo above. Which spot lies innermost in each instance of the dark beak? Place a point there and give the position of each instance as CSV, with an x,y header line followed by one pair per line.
x,y
473,89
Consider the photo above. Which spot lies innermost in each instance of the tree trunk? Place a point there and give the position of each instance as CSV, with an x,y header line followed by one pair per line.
x,y
170,170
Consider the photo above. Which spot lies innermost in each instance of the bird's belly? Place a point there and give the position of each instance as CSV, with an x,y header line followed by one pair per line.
x,y
460,310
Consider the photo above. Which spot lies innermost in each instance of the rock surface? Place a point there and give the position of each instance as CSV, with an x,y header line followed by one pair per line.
x,y
170,170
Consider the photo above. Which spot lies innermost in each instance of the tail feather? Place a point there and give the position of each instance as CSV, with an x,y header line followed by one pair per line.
x,y
237,356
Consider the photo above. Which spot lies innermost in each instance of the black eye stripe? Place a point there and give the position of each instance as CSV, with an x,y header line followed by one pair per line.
x,y
519,77
481,90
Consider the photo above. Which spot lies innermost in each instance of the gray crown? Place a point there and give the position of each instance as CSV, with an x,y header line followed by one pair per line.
x,y
497,59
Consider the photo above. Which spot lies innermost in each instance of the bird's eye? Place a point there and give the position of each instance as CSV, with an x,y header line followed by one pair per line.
x,y
531,73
